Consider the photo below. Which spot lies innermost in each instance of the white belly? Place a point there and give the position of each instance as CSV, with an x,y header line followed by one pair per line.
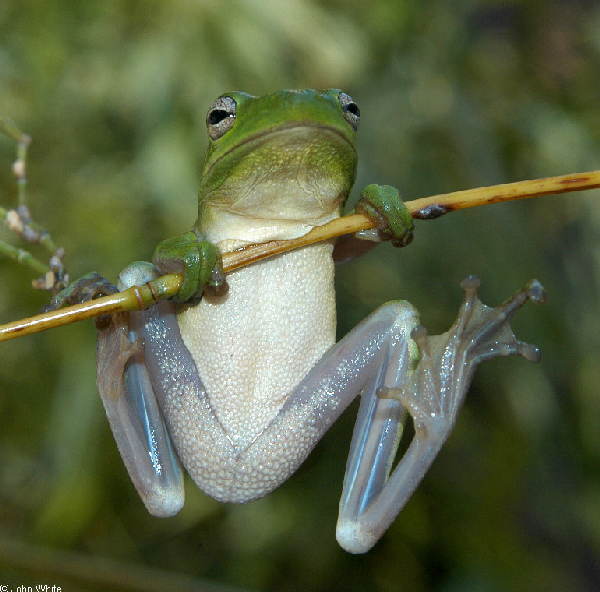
x,y
252,348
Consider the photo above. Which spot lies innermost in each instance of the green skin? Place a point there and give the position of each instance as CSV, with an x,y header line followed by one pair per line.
x,y
257,139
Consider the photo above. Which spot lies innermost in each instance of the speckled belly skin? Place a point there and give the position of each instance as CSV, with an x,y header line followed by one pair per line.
x,y
226,396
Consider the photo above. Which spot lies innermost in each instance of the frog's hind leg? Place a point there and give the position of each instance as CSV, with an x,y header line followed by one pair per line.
x,y
433,395
132,409
127,393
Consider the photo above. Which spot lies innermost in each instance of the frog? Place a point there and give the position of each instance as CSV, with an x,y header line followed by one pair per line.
x,y
237,378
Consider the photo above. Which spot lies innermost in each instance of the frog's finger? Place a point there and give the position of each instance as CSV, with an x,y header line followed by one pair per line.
x,y
194,259
383,205
88,287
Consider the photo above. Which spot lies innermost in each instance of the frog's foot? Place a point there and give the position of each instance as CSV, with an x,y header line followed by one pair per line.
x,y
433,395
86,288
383,205
197,261
436,390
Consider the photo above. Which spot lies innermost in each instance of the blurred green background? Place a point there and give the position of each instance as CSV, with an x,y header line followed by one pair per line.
x,y
453,95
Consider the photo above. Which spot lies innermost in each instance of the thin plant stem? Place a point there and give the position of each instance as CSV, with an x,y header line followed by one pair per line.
x,y
55,276
141,297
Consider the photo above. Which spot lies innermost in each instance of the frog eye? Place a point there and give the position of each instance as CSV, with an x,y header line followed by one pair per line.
x,y
350,110
220,117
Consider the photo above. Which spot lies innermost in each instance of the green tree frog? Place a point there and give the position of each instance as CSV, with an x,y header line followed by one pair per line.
x,y
239,385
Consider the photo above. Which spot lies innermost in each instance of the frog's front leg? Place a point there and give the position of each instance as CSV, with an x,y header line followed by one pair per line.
x,y
433,395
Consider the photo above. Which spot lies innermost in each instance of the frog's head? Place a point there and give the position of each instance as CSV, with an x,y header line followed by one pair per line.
x,y
280,163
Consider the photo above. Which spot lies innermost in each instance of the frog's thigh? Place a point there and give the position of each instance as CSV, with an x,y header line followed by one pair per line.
x,y
234,474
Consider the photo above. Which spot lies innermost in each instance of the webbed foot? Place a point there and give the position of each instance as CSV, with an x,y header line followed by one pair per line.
x,y
438,386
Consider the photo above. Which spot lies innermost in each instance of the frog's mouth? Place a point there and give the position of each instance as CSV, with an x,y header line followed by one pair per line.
x,y
254,141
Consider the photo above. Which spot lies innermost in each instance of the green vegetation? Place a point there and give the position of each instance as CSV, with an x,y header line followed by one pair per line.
x,y
453,95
